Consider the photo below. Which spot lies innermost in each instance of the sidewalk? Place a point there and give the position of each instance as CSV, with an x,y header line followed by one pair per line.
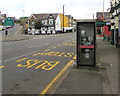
x,y
94,81
14,38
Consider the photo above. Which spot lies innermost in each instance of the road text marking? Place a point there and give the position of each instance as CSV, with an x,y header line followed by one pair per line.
x,y
2,66
43,64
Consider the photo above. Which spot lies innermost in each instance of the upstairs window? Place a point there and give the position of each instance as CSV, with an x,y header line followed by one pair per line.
x,y
33,22
44,22
51,21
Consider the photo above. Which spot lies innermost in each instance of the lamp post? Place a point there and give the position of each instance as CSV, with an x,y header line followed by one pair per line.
x,y
23,12
63,18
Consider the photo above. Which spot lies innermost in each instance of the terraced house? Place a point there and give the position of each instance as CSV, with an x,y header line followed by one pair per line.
x,y
50,22
2,17
115,22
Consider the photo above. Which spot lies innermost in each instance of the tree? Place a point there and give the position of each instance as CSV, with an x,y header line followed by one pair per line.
x,y
38,24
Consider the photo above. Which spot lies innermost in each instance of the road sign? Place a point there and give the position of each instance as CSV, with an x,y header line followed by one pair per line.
x,y
9,22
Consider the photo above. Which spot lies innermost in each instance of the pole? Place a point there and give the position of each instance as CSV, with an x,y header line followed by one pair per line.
x,y
103,9
103,20
63,18
23,12
93,16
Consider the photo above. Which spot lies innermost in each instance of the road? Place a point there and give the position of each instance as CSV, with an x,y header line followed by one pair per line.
x,y
11,31
28,66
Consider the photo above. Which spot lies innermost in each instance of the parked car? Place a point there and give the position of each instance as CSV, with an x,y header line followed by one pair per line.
x,y
2,27
9,27
37,32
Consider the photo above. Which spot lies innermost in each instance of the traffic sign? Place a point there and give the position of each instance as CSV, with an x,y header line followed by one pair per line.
x,y
9,22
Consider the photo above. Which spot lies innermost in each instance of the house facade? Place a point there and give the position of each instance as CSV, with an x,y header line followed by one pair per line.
x,y
51,22
47,21
66,21
115,22
2,18
70,20
105,30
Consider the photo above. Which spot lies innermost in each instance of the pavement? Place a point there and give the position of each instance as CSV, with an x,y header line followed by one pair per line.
x,y
99,80
15,37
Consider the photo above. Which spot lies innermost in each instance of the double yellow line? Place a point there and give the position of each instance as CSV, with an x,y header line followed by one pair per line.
x,y
56,78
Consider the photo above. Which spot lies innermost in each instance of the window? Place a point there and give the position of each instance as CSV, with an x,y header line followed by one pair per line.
x,y
51,21
44,22
33,22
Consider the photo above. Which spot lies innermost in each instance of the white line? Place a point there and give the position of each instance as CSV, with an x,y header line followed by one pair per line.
x,y
8,49
20,56
18,30
38,46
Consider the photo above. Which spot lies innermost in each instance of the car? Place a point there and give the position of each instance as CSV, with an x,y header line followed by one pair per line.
x,y
37,32
31,30
2,27
9,26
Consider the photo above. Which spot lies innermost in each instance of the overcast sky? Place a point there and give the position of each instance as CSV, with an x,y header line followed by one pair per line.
x,y
79,9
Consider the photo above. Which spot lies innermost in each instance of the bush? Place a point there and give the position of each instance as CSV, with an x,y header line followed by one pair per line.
x,y
38,24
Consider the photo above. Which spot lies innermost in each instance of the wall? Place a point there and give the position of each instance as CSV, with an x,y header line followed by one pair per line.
x,y
66,20
106,31
57,23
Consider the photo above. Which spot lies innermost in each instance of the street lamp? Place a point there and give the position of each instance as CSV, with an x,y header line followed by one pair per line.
x,y
23,12
63,18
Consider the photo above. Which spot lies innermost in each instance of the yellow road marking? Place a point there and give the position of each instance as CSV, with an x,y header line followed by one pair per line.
x,y
74,57
2,66
47,50
56,78
54,47
65,44
73,41
36,54
21,59
59,45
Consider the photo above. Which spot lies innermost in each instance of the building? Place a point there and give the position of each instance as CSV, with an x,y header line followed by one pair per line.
x,y
115,22
2,18
50,22
13,18
24,23
70,20
47,20
105,30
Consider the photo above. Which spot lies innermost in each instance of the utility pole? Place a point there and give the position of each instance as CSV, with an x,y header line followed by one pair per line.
x,y
23,12
93,16
103,20
103,9
63,18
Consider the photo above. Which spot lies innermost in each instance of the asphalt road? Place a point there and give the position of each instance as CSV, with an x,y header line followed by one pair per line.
x,y
28,66
11,31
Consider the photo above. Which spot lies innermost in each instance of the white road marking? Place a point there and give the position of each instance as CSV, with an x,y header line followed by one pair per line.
x,y
18,30
20,56
38,46
7,49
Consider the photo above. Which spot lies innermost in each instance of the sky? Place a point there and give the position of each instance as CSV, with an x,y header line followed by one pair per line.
x,y
79,9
